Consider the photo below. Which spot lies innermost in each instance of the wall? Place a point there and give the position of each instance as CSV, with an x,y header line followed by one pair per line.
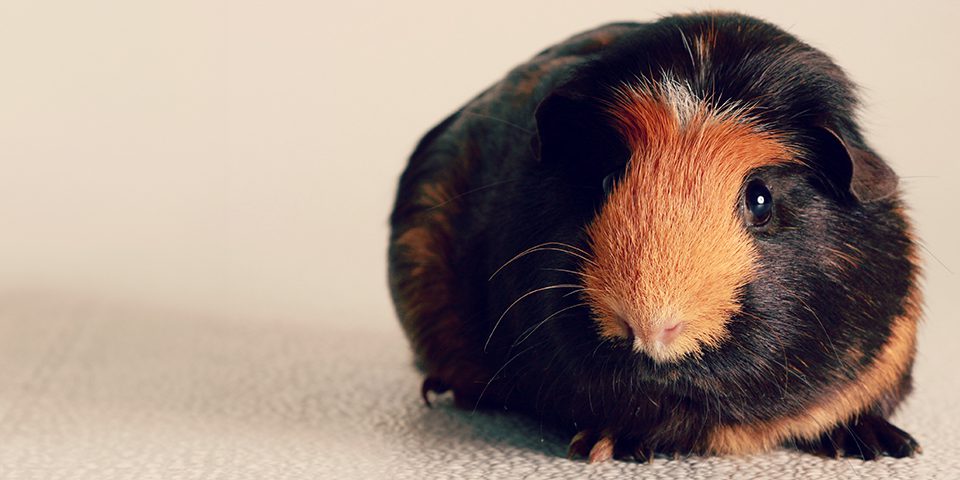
x,y
241,157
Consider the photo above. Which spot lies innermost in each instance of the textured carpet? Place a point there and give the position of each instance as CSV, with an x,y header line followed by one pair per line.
x,y
92,390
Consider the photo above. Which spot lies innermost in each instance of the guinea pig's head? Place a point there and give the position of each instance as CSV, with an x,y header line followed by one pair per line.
x,y
752,240
674,245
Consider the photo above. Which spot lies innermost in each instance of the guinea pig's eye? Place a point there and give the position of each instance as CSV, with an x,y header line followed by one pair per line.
x,y
759,203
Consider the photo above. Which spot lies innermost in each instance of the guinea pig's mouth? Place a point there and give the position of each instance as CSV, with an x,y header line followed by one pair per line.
x,y
684,375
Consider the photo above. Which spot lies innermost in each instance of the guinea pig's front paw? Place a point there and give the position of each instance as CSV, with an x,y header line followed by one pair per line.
x,y
867,437
594,445
597,446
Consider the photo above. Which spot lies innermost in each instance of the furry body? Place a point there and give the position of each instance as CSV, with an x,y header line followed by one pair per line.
x,y
523,283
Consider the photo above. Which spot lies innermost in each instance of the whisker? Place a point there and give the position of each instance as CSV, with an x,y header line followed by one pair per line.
x,y
528,332
574,272
572,247
579,290
525,295
944,265
539,248
468,192
494,377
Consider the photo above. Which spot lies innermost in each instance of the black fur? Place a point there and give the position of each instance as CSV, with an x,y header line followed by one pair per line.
x,y
534,176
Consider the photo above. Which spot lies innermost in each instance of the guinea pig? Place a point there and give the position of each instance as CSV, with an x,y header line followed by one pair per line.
x,y
665,238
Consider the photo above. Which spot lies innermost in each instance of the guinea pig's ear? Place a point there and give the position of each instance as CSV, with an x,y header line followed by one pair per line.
x,y
574,132
854,171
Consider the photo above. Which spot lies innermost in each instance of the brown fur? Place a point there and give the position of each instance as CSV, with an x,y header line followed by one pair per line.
x,y
422,276
425,295
669,243
878,387
528,80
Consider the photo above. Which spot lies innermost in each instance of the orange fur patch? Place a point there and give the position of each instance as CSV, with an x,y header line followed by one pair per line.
x,y
846,402
669,243
423,283
424,286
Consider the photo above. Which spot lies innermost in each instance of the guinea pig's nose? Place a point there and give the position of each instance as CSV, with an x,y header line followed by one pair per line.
x,y
668,331
659,332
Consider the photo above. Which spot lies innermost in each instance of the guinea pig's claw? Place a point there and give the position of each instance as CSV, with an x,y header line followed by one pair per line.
x,y
596,447
581,444
600,446
867,437
602,450
434,385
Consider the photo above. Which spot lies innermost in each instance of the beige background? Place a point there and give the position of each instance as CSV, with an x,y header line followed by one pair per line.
x,y
242,156
237,160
